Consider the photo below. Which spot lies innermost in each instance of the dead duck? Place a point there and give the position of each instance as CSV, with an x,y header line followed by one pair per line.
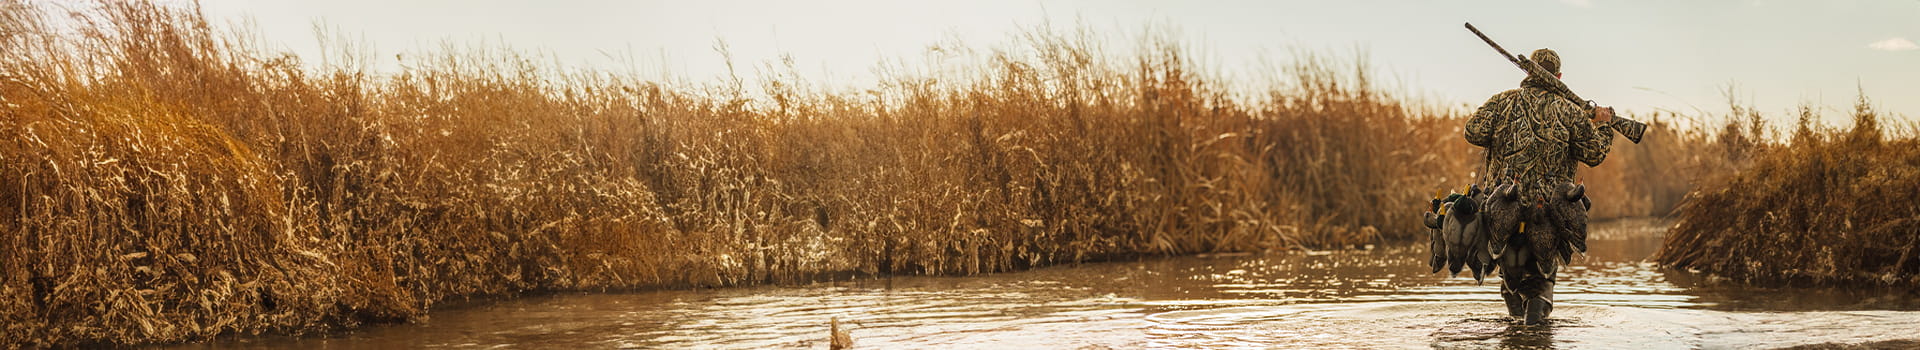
x,y
1458,235
1525,241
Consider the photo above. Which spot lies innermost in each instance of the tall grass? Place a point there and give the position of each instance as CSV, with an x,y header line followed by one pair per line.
x,y
1819,206
166,182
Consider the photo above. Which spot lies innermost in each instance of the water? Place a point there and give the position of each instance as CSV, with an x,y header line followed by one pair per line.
x,y
1373,299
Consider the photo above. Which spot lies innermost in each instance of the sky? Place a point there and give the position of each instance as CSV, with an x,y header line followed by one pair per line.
x,y
1637,55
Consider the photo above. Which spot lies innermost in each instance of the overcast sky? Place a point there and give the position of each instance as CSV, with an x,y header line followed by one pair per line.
x,y
1633,54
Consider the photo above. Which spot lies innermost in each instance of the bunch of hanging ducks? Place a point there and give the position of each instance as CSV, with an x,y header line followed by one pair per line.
x,y
1475,230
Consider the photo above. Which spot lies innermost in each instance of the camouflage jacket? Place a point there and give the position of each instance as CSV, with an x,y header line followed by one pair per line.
x,y
1533,138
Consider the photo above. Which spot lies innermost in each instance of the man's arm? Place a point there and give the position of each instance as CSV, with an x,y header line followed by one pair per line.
x,y
1590,138
1480,127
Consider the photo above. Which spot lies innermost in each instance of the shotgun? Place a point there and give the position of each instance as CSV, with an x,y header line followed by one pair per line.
x,y
1632,129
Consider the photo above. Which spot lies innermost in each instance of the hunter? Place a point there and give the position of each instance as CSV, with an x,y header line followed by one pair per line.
x,y
1534,140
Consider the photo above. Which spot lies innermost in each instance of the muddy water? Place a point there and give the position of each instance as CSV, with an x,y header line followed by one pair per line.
x,y
1373,299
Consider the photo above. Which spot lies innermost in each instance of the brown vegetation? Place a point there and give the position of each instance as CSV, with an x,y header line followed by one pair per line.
x,y
1819,207
163,182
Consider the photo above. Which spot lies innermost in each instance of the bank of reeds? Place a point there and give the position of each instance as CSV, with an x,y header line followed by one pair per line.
x,y
165,182
1819,206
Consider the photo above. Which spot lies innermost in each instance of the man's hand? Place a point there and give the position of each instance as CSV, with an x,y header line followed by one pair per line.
x,y
1603,115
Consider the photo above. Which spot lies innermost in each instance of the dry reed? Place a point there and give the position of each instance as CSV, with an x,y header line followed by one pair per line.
x,y
166,183
1820,206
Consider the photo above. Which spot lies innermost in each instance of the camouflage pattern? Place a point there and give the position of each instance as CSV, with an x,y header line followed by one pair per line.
x,y
1535,218
1535,139
1547,59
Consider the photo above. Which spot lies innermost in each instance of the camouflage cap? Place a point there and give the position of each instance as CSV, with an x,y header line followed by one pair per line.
x,y
1547,59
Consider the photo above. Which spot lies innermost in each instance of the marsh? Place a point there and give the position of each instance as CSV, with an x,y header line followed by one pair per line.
x,y
1371,298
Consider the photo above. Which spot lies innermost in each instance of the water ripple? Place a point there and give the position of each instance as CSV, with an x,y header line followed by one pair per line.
x,y
1372,299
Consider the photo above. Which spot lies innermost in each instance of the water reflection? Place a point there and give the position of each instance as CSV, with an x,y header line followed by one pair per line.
x,y
1374,299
